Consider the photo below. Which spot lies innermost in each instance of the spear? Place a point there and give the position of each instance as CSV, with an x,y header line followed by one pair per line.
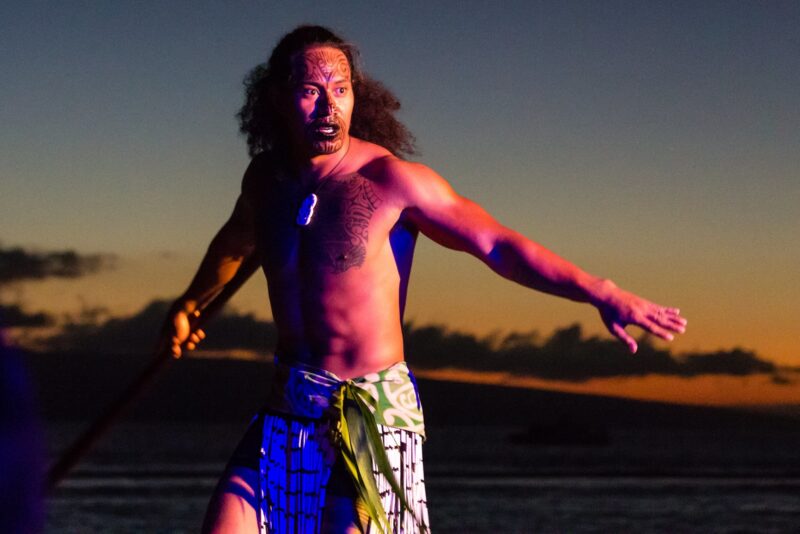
x,y
84,443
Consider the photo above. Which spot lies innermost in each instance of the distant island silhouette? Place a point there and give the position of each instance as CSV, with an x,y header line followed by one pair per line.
x,y
645,437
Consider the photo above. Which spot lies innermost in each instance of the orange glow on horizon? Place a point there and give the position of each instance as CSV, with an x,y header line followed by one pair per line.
x,y
756,390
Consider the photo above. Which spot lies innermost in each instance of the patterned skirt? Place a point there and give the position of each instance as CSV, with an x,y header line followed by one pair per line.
x,y
296,460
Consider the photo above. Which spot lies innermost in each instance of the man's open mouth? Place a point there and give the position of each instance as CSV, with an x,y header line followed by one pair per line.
x,y
326,129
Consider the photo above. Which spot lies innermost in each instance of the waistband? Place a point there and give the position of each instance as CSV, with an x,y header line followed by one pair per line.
x,y
310,392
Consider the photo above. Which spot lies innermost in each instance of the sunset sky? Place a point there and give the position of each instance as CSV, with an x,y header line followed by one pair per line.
x,y
654,143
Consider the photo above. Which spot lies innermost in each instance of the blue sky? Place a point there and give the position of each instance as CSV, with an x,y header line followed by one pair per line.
x,y
655,143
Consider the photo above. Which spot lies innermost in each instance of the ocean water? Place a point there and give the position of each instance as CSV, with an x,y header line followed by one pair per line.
x,y
175,503
158,477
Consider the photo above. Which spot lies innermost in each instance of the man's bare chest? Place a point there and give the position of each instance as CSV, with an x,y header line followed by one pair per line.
x,y
342,229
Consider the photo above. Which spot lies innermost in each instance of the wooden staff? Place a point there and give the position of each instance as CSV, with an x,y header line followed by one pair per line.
x,y
81,446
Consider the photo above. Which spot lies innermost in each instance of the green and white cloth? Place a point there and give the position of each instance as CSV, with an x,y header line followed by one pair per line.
x,y
373,424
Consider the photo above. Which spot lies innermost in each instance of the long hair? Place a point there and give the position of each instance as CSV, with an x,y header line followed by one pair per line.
x,y
373,113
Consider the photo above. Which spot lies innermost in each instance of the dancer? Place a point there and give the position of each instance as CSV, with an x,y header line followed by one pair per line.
x,y
331,211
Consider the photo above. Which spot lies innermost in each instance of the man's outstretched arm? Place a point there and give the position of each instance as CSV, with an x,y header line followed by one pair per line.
x,y
458,223
231,247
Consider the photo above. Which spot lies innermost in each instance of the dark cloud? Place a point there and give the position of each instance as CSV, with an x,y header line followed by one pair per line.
x,y
736,362
13,315
19,264
139,332
566,355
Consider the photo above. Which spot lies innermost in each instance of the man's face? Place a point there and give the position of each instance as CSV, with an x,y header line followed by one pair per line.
x,y
321,99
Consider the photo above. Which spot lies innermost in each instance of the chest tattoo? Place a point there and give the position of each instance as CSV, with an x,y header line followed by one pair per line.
x,y
341,230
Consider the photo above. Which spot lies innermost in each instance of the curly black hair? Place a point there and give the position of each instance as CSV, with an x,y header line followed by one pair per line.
x,y
373,114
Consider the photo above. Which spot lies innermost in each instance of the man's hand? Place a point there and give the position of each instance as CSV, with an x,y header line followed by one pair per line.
x,y
622,308
458,223
180,331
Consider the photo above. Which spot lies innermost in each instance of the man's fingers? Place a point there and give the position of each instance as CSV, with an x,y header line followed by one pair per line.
x,y
618,330
678,324
654,328
190,344
665,319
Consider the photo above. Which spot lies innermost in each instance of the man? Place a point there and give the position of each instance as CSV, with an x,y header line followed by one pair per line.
x,y
331,212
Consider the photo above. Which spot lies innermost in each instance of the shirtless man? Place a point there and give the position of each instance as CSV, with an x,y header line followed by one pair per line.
x,y
332,219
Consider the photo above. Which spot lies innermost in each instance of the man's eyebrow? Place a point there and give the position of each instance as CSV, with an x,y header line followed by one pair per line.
x,y
309,81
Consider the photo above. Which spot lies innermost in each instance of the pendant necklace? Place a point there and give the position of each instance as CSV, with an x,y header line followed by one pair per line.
x,y
306,211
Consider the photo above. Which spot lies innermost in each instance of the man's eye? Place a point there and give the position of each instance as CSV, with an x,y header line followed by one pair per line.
x,y
341,91
310,91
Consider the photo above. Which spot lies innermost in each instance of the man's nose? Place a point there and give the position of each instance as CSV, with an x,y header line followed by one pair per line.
x,y
326,103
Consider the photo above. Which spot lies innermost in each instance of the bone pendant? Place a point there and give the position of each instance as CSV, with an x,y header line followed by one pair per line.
x,y
306,211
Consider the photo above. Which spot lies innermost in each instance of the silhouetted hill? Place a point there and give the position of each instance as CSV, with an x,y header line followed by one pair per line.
x,y
76,386
79,386
472,429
